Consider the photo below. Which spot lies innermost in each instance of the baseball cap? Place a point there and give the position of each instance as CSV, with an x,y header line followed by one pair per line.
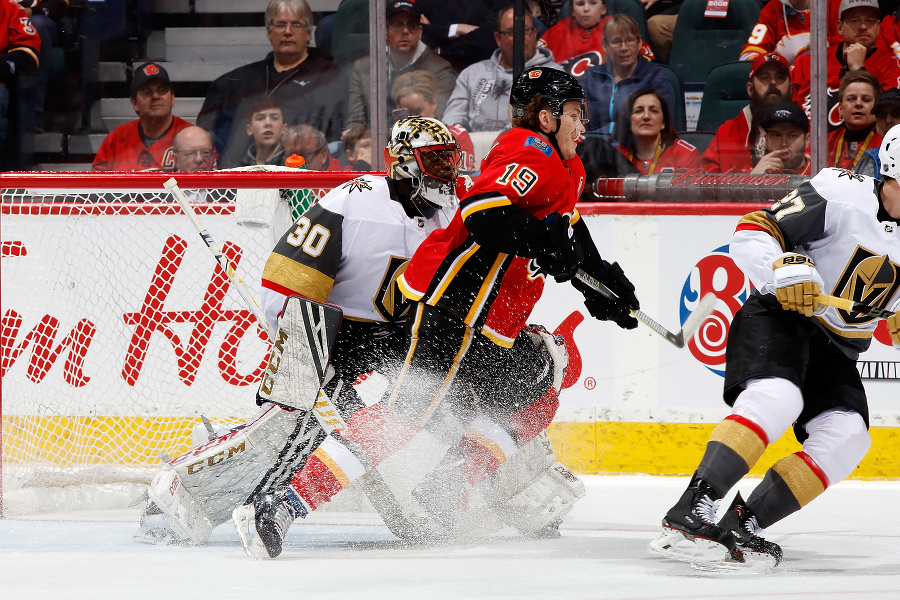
x,y
145,73
786,112
768,58
398,6
890,96
848,4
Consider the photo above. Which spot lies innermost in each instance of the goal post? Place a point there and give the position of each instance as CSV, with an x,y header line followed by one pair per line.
x,y
119,330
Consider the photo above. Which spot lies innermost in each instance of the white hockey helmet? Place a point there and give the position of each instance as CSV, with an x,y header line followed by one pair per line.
x,y
424,150
889,153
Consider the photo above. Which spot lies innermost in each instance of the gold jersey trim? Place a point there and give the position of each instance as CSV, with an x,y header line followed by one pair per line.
x,y
295,276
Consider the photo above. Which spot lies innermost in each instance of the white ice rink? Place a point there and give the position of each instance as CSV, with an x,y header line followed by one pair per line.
x,y
846,544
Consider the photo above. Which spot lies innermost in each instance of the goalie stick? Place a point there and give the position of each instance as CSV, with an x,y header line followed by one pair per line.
x,y
679,339
853,306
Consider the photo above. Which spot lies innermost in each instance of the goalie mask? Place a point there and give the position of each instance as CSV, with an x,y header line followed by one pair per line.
x,y
889,153
424,151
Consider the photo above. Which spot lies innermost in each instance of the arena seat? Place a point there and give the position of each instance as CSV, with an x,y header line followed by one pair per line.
x,y
724,94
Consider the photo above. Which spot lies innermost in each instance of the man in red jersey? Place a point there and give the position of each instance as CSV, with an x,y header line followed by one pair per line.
x,y
741,142
144,144
860,27
474,283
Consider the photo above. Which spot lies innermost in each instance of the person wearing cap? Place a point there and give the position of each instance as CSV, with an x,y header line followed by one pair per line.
x,y
144,144
887,114
859,26
406,53
857,94
310,87
741,142
787,140
480,100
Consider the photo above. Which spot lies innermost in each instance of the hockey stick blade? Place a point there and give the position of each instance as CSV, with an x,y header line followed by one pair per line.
x,y
692,324
852,306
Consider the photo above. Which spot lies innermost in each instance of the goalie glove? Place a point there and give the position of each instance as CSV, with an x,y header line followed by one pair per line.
x,y
605,309
797,284
564,254
893,325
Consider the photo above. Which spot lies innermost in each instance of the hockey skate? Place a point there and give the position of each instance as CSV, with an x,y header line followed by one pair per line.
x,y
264,523
690,532
752,553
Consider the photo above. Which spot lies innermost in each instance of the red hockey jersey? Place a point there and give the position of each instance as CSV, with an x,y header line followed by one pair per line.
x,y
845,154
125,149
17,33
466,147
889,35
730,151
490,290
780,29
679,156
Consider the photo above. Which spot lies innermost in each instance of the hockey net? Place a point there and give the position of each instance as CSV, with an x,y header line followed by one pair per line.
x,y
119,329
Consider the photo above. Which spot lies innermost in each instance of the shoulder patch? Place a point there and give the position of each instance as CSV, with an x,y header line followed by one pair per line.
x,y
846,173
357,185
539,144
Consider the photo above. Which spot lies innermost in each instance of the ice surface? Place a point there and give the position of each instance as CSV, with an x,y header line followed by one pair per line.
x,y
846,544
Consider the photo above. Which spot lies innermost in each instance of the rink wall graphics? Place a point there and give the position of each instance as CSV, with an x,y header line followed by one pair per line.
x,y
632,403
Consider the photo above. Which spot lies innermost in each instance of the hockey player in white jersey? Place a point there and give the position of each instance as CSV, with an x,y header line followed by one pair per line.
x,y
791,360
348,250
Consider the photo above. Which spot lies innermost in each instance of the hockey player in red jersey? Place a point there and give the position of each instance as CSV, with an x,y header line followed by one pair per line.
x,y
475,283
791,361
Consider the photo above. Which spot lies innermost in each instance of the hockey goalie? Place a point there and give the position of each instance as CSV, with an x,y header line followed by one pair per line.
x,y
306,444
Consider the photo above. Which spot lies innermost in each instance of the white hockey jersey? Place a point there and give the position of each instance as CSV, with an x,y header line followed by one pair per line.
x,y
349,250
837,219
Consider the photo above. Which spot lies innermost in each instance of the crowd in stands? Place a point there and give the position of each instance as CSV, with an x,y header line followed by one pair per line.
x,y
454,61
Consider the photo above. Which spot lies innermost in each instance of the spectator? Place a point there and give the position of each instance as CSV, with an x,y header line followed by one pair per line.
x,y
265,130
787,139
406,52
480,100
625,70
650,143
414,93
357,143
311,89
577,41
194,150
856,98
20,47
887,114
45,16
741,142
309,143
661,17
859,27
783,27
889,33
461,32
144,144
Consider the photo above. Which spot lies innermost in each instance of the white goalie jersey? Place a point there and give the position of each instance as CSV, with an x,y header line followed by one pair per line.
x,y
349,250
838,220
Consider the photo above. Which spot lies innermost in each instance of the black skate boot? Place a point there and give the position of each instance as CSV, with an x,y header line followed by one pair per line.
x,y
264,524
756,552
690,532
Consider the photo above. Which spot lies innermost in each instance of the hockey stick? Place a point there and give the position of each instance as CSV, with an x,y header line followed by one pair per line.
x,y
852,306
691,324
216,251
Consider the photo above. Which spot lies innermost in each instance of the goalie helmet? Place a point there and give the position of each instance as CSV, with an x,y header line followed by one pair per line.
x,y
555,87
424,151
889,153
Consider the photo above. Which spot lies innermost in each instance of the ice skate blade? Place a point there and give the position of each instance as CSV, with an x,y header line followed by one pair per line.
x,y
683,547
244,518
752,563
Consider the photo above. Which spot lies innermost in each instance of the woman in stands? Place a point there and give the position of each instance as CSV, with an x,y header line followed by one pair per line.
x,y
646,136
624,71
415,92
577,41
848,143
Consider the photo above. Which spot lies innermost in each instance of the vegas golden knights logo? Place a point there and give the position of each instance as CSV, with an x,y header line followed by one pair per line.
x,y
868,278
389,301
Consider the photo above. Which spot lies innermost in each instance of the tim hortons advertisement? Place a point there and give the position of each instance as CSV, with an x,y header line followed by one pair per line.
x,y
126,315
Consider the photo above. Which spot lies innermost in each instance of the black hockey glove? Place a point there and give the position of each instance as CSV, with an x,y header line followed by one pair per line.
x,y
602,308
7,71
564,254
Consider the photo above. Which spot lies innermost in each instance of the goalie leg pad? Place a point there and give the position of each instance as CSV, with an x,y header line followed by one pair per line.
x,y
184,520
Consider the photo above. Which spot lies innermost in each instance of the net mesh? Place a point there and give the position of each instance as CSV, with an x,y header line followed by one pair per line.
x,y
119,331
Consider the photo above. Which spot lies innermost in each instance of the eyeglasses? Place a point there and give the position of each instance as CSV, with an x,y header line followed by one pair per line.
x,y
855,22
399,26
616,42
282,26
509,32
206,154
307,157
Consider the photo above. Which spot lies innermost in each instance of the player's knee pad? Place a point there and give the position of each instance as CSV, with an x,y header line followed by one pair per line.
x,y
838,440
773,404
